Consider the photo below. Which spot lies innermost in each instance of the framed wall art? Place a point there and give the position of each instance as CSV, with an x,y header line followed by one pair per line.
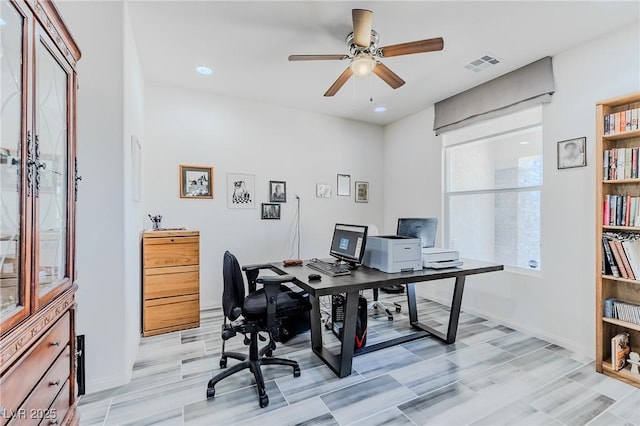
x,y
196,182
241,191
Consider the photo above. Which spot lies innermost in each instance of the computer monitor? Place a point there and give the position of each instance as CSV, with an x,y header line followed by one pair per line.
x,y
424,229
348,243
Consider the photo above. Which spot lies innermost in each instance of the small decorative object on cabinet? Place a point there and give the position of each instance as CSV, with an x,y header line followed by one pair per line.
x,y
617,231
170,281
38,169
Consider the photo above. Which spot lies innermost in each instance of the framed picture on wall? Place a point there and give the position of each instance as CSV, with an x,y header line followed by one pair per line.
x,y
344,185
270,211
362,192
196,182
277,191
323,190
572,153
241,191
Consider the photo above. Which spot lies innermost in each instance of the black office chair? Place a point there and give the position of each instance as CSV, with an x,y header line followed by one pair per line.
x,y
262,311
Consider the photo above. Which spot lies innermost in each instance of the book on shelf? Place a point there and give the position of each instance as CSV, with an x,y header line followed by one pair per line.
x,y
620,348
621,255
621,210
620,163
622,121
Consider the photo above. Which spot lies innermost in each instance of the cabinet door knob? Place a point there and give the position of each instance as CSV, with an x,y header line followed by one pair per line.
x,y
56,383
56,343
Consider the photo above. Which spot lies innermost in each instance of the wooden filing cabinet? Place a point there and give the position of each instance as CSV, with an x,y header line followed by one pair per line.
x,y
170,281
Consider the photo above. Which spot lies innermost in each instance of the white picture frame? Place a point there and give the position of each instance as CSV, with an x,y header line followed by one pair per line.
x,y
241,191
344,185
323,190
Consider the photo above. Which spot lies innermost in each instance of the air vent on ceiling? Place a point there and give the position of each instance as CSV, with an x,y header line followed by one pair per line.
x,y
482,63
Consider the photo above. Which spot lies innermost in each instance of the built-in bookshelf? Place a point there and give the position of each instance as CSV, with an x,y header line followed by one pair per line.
x,y
617,220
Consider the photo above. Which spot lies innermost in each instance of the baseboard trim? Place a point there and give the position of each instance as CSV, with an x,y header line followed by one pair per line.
x,y
551,338
104,383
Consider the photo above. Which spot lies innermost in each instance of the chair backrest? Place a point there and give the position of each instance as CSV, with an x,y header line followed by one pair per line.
x,y
233,293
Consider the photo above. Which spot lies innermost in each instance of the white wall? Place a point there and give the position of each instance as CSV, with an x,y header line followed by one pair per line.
x,y
186,127
133,125
109,110
558,305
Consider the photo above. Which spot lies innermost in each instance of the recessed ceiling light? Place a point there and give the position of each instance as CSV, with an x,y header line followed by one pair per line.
x,y
524,143
204,70
380,109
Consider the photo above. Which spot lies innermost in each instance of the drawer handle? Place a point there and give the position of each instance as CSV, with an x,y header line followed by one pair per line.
x,y
56,383
56,343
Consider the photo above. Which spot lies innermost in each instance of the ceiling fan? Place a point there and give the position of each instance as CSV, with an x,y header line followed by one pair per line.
x,y
364,51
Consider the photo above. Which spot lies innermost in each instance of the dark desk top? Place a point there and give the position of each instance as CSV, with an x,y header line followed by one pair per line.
x,y
364,278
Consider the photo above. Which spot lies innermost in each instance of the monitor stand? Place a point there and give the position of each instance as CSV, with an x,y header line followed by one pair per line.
x,y
352,265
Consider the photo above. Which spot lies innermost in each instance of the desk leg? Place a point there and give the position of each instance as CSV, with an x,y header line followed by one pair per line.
x,y
456,305
340,363
454,314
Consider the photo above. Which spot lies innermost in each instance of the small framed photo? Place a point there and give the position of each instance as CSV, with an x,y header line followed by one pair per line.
x,y
572,153
362,192
277,191
323,190
344,185
270,211
196,182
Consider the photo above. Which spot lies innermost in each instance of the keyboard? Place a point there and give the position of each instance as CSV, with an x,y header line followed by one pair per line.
x,y
332,269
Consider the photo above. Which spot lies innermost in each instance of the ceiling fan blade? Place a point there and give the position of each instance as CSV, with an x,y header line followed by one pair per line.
x,y
422,46
337,85
318,57
362,21
390,77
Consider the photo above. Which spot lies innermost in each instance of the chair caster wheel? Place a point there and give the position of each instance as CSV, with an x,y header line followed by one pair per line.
x,y
211,393
398,310
390,318
268,354
223,362
264,401
296,372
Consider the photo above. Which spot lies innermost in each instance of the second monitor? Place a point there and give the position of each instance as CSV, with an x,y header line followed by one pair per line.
x,y
348,243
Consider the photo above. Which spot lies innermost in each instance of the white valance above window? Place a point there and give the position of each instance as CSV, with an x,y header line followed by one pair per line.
x,y
523,88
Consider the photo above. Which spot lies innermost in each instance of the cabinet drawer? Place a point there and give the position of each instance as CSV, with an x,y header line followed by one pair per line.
x,y
58,409
16,385
35,408
171,312
178,251
171,282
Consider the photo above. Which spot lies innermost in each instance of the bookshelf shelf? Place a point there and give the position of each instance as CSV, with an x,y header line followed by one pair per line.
x,y
621,228
625,374
624,324
623,135
619,181
624,280
608,286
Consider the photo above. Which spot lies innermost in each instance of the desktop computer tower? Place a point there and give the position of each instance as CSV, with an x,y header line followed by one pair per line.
x,y
338,306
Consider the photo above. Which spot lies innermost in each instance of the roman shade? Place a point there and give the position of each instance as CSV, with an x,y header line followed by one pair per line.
x,y
523,88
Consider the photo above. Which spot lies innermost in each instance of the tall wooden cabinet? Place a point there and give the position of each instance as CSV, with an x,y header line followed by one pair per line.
x,y
608,285
38,176
170,281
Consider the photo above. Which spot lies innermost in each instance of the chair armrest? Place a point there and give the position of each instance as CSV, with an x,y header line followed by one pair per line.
x,y
256,267
279,279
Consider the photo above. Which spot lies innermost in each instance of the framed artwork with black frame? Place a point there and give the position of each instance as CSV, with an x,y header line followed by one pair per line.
x,y
196,182
277,191
572,153
270,211
362,192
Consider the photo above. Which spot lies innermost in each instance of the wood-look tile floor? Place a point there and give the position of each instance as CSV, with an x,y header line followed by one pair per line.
x,y
492,375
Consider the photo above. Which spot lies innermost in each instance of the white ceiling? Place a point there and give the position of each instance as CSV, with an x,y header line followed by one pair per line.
x,y
247,45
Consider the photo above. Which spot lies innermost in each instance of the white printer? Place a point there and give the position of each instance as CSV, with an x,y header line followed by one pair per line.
x,y
440,258
393,253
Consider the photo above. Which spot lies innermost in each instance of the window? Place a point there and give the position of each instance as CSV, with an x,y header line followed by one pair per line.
x,y
493,188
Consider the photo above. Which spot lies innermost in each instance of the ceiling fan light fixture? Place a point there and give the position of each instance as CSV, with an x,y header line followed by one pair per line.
x,y
362,65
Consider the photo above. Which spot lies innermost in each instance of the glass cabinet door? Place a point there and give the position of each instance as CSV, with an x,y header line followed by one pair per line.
x,y
52,176
14,301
